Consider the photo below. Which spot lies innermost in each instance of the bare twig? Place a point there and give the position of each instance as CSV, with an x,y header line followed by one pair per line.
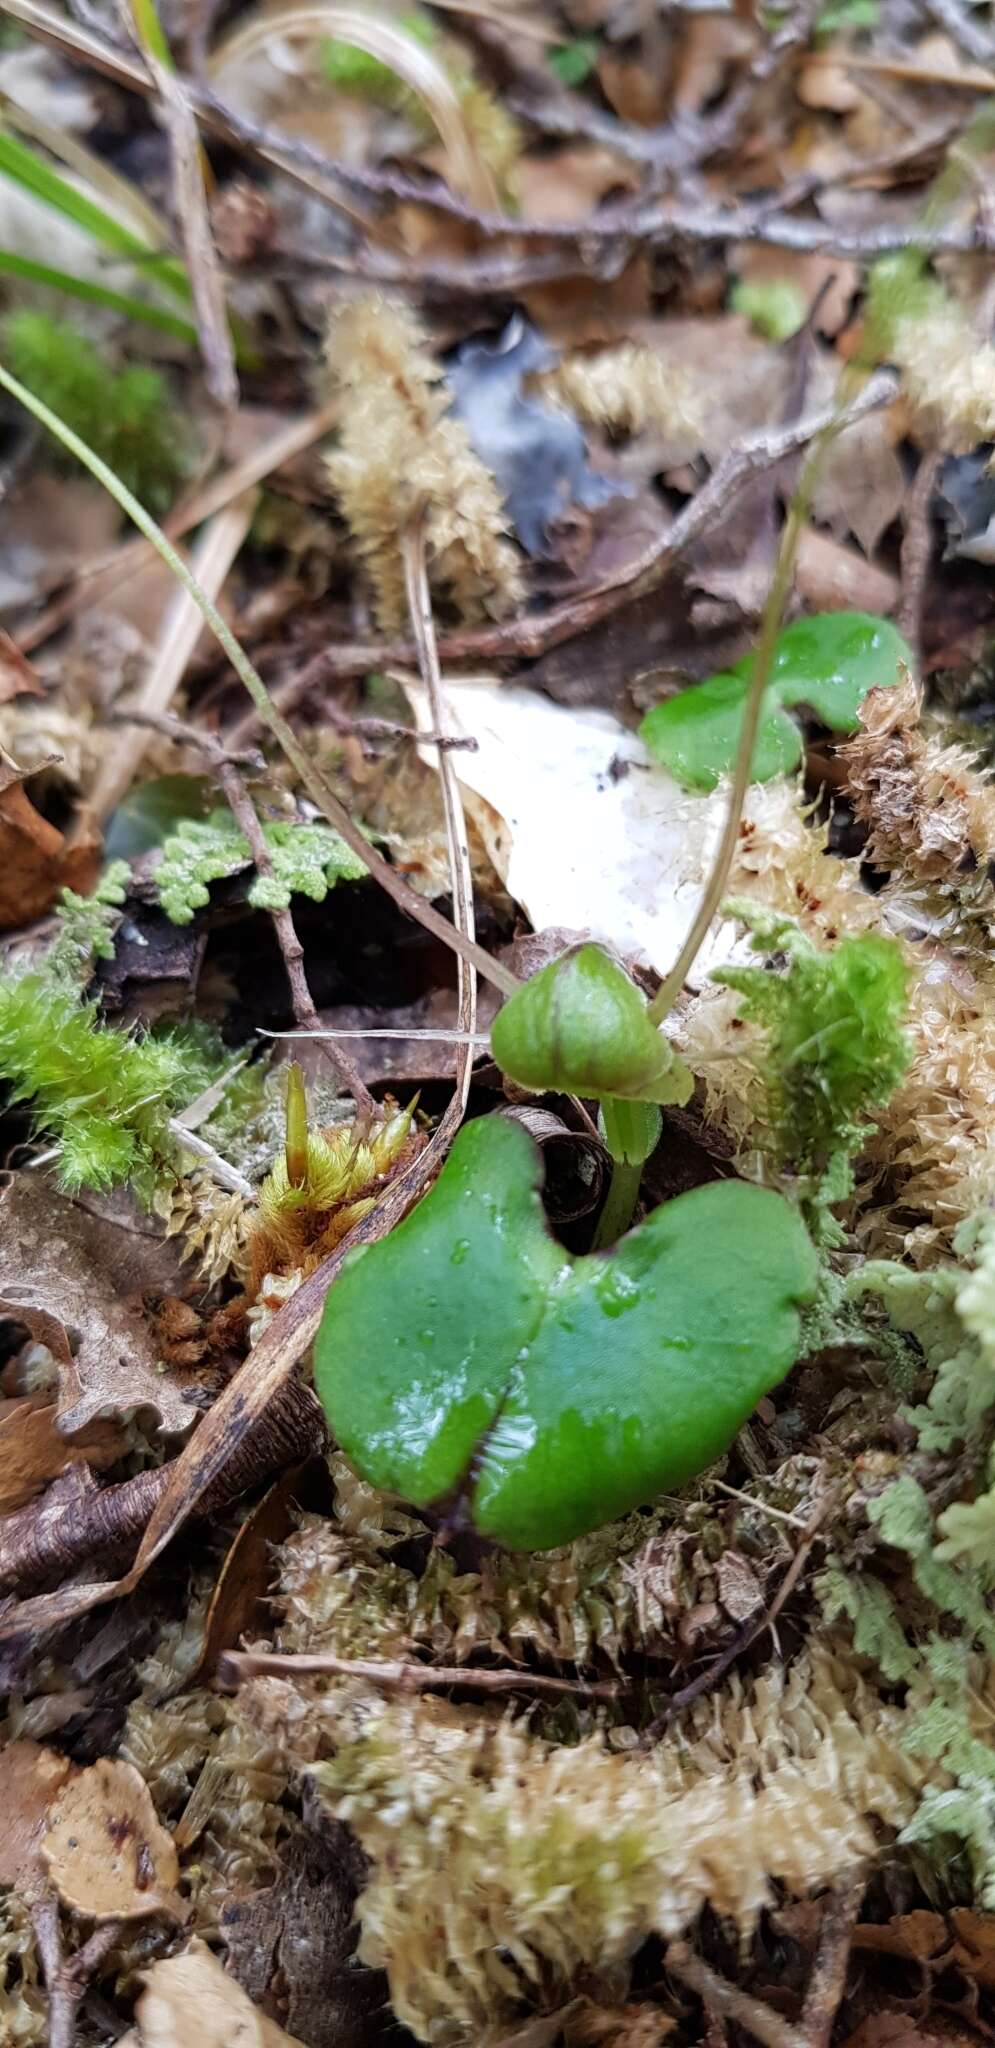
x,y
975,41
828,1980
461,880
190,201
35,1546
525,639
237,1665
181,629
917,547
246,817
747,1636
725,1999
226,1175
68,1987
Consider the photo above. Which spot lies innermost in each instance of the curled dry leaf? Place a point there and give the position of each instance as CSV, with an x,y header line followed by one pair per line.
x,y
89,1273
190,1998
33,1451
30,1778
106,1853
36,860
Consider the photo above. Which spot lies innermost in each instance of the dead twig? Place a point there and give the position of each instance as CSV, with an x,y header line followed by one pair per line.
x,y
36,1545
457,844
525,639
747,1636
67,1977
235,1666
917,547
182,628
190,200
726,2000
977,42
226,769
828,1980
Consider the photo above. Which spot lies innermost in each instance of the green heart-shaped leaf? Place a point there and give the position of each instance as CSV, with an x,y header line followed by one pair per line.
x,y
828,662
469,1351
581,1027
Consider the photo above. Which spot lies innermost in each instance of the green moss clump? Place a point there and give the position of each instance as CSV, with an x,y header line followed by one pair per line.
x,y
307,860
835,1044
104,1095
125,415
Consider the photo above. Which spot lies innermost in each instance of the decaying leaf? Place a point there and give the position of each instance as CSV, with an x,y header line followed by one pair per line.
x,y
34,1450
37,861
17,677
89,1273
190,1999
584,828
30,1779
106,1853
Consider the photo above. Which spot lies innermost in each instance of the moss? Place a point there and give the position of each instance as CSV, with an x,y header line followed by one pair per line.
x,y
125,415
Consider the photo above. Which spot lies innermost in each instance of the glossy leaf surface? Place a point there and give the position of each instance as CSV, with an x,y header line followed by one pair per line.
x,y
828,663
469,1352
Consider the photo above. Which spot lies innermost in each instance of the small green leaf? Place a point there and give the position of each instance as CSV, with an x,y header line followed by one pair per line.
x,y
306,860
776,309
828,663
468,1351
573,61
581,1027
631,1130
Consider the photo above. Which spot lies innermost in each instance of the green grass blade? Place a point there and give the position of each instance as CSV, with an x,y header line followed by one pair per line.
x,y
29,170
12,265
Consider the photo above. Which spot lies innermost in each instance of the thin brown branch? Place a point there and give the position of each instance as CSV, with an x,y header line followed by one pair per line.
x,y
709,1678
827,1983
38,1545
917,547
398,1676
727,2000
977,42
69,1986
457,844
190,201
246,817
525,639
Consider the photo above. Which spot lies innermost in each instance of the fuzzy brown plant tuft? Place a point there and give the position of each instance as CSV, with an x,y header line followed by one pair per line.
x,y
400,451
632,390
928,812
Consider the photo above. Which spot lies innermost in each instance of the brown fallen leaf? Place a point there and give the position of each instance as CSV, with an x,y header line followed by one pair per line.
x,y
36,860
33,1450
974,1952
30,1778
189,1999
246,1576
831,577
106,1852
913,1937
89,1272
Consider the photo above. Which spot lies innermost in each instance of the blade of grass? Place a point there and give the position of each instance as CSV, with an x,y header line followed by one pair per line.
x,y
12,265
26,168
318,788
122,199
419,69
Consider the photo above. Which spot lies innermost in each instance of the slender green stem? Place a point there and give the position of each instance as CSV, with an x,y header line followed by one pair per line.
x,y
620,1204
318,788
763,662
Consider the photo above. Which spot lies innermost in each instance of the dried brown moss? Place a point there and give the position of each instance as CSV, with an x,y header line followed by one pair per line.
x,y
504,1867
401,451
930,1159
